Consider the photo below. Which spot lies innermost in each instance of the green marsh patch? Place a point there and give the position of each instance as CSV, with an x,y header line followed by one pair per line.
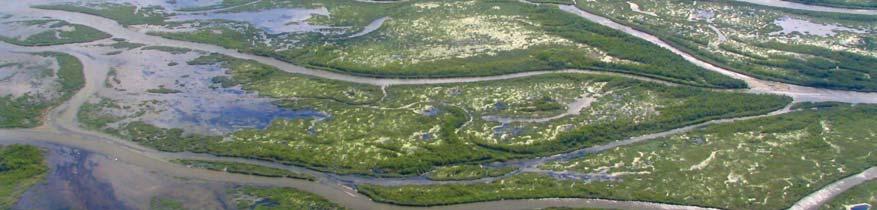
x,y
765,42
413,128
21,166
765,163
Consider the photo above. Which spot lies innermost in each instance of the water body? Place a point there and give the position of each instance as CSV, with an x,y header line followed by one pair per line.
x,y
799,6
169,4
861,207
71,184
198,105
274,21
374,25
792,25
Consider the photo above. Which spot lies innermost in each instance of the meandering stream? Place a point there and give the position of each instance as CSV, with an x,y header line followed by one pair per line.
x,y
61,127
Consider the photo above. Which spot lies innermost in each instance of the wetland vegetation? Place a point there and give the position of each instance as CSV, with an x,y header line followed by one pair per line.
x,y
416,127
421,39
570,134
59,77
244,168
857,4
267,198
125,14
21,166
43,32
866,193
467,172
776,44
765,163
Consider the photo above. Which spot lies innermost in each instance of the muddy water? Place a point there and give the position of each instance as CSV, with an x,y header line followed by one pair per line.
x,y
799,6
71,184
81,179
28,74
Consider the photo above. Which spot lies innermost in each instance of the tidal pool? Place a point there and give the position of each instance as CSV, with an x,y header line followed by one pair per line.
x,y
863,206
185,96
791,25
273,21
28,74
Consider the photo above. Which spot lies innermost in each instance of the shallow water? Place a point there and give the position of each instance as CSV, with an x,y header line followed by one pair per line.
x,y
861,207
793,25
21,30
273,21
199,105
168,4
374,25
27,74
71,184
81,179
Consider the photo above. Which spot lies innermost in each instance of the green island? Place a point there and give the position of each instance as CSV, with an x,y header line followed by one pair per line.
x,y
171,50
164,203
764,163
770,43
431,39
855,4
417,127
244,168
51,32
266,198
865,193
27,110
21,166
467,172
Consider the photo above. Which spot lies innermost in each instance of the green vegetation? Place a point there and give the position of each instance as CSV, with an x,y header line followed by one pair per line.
x,y
864,193
171,50
856,4
27,110
244,168
163,90
280,199
21,166
161,203
56,32
122,44
125,14
765,163
415,128
467,172
461,39
751,39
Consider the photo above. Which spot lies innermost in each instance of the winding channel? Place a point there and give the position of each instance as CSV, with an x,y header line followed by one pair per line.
x,y
61,127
